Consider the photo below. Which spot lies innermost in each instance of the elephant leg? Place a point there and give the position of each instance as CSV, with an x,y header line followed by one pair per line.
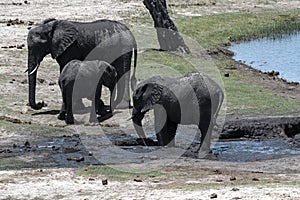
x,y
123,71
164,128
205,126
79,107
68,105
166,136
62,112
99,104
93,115
170,137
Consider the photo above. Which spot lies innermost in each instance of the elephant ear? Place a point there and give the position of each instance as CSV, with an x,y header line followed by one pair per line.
x,y
151,95
64,34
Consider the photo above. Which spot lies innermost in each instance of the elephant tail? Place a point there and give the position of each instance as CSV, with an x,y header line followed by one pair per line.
x,y
133,78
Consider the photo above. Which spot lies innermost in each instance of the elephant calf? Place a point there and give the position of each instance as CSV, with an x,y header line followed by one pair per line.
x,y
191,99
84,79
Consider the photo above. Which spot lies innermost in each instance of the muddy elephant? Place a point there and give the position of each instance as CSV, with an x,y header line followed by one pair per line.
x,y
105,40
191,99
82,79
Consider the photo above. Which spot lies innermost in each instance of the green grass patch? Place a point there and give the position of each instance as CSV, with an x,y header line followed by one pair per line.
x,y
111,173
247,99
211,31
34,129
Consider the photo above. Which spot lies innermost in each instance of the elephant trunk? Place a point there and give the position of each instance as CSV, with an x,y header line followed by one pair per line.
x,y
32,73
137,118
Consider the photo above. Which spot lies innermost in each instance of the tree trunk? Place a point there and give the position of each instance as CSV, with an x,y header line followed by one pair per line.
x,y
167,33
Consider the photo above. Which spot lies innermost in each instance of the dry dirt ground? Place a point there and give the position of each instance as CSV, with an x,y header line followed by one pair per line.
x,y
187,178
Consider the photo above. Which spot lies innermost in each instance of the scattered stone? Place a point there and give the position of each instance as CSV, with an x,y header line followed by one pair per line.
x,y
21,46
219,180
16,4
272,73
92,179
104,182
30,23
232,178
137,180
52,83
153,157
226,52
77,159
24,81
5,151
90,154
213,196
235,189
255,179
27,144
40,80
226,74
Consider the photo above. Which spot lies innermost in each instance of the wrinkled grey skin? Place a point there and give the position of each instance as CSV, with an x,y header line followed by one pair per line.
x,y
105,40
190,99
83,79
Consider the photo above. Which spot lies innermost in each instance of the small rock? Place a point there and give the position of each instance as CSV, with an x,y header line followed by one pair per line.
x,y
40,80
52,83
218,171
90,154
153,158
235,189
27,144
226,74
20,46
232,178
255,179
77,159
213,196
137,180
24,81
219,180
104,182
92,179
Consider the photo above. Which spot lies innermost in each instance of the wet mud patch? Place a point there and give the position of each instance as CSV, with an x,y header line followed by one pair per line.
x,y
77,150
55,152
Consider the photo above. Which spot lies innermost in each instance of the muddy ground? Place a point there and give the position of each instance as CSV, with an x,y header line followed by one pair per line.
x,y
254,159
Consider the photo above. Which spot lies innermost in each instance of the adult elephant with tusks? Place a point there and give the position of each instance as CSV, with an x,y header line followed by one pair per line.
x,y
190,99
105,40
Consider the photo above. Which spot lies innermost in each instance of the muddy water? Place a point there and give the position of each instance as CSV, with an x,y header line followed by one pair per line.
x,y
267,54
69,151
247,151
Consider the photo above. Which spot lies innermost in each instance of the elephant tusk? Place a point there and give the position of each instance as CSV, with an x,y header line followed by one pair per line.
x,y
34,70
